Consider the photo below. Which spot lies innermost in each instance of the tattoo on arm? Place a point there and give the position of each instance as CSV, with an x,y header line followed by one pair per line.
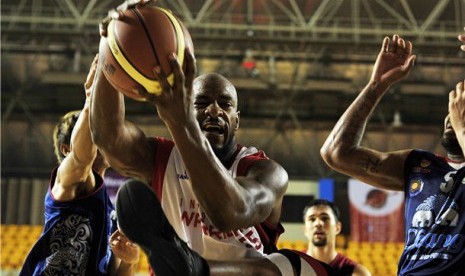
x,y
371,165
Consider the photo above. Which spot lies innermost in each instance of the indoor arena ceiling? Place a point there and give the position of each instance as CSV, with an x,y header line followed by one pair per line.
x,y
311,57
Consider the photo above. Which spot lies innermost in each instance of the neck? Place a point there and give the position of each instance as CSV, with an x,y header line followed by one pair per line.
x,y
226,153
322,253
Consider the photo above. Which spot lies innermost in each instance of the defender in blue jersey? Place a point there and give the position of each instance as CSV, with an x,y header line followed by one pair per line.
x,y
434,186
80,235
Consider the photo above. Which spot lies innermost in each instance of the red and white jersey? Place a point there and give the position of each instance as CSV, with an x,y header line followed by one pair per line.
x,y
172,185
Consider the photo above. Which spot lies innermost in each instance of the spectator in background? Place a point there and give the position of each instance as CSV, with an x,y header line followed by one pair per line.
x,y
322,225
433,185
79,218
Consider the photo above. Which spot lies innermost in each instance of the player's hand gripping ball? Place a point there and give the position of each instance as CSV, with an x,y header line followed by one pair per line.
x,y
137,42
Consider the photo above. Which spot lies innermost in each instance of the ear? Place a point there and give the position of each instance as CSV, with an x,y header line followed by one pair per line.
x,y
338,227
238,115
65,149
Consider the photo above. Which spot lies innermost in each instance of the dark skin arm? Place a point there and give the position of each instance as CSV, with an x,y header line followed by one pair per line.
x,y
342,150
124,145
251,199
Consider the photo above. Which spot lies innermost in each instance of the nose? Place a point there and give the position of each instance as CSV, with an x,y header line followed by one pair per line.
x,y
213,110
318,222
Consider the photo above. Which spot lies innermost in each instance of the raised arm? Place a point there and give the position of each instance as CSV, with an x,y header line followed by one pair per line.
x,y
124,145
243,201
74,175
342,150
457,112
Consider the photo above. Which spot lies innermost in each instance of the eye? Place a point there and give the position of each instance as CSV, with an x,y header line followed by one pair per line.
x,y
200,104
225,105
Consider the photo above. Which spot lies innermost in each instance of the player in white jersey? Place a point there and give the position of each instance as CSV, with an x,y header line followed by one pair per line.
x,y
224,200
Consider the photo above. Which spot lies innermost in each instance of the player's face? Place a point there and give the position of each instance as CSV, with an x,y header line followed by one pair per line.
x,y
321,226
449,139
215,105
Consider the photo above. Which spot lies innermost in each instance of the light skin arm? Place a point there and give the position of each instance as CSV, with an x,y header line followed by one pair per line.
x,y
126,253
457,112
342,150
74,175
249,199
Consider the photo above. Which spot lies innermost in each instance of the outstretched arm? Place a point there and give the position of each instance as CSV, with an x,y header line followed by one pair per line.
x,y
342,150
123,144
457,112
74,175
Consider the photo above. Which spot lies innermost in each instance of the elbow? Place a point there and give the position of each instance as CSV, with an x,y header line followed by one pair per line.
x,y
101,140
332,155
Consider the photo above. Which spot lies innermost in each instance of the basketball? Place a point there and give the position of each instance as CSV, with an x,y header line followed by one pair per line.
x,y
138,42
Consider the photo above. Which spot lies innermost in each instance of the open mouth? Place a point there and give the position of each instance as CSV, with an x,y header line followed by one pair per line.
x,y
215,129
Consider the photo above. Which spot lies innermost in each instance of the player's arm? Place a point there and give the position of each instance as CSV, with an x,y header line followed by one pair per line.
x,y
342,150
457,112
123,144
126,255
74,175
232,203
229,203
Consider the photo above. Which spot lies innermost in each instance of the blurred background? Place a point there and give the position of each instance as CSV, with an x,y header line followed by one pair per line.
x,y
297,65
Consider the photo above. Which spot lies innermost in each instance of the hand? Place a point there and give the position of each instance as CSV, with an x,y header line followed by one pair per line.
x,y
127,251
174,105
457,107
462,38
118,13
394,62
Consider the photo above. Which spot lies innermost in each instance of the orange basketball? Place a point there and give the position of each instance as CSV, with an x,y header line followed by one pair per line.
x,y
138,42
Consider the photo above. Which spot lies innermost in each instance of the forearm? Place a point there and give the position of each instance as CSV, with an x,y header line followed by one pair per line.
x,y
348,131
107,111
209,177
76,167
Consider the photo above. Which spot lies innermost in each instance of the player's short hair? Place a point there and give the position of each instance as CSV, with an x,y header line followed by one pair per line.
x,y
62,132
323,202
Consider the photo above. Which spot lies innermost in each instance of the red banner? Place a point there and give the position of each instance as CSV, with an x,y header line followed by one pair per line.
x,y
376,215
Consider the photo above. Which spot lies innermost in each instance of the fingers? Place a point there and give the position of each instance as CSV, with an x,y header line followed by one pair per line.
x,y
162,79
385,46
393,44
408,48
408,65
454,95
179,77
459,87
191,68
